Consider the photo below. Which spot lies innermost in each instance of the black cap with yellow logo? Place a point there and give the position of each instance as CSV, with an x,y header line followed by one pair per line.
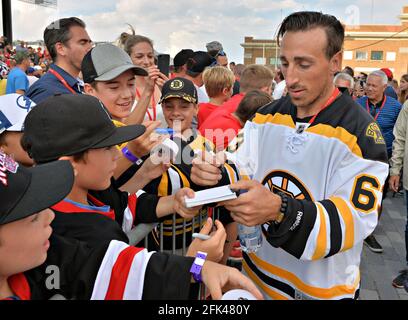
x,y
179,88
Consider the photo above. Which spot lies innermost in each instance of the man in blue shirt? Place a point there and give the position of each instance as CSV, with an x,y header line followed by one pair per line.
x,y
385,110
17,81
67,42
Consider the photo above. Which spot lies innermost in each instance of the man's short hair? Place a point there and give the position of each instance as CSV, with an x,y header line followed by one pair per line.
x,y
255,77
345,77
252,101
348,70
381,74
216,79
307,20
21,56
59,31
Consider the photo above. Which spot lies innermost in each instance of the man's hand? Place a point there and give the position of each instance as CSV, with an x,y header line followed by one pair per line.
x,y
213,246
179,205
256,206
219,278
394,183
206,168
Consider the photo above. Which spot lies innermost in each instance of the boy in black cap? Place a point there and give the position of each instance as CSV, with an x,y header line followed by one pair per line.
x,y
26,195
109,271
179,103
90,146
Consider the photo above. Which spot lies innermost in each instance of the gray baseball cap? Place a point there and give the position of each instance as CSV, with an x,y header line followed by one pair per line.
x,y
214,46
105,62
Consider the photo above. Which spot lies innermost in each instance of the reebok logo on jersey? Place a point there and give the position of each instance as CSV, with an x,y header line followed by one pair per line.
x,y
373,131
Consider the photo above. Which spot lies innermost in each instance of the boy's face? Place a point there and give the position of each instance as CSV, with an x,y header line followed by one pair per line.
x,y
118,95
177,110
24,243
95,170
11,146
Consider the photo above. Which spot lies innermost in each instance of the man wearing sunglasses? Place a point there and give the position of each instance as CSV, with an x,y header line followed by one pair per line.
x,y
216,50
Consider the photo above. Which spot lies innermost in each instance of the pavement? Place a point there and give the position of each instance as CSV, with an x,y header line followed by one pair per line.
x,y
378,270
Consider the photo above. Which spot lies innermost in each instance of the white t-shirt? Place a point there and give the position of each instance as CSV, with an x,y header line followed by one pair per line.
x,y
202,94
279,90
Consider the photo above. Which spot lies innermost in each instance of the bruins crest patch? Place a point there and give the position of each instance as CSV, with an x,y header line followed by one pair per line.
x,y
373,131
177,84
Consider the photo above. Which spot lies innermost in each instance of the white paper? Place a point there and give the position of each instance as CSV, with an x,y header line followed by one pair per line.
x,y
213,195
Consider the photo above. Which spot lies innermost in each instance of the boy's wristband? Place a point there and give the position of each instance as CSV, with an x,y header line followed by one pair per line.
x,y
198,266
131,157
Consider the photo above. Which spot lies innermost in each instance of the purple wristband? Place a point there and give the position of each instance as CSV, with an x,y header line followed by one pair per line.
x,y
198,266
130,156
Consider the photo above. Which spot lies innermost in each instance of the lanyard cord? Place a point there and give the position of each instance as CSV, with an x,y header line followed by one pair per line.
x,y
378,113
62,80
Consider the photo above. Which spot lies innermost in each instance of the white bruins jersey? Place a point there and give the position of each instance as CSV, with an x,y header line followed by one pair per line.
x,y
333,172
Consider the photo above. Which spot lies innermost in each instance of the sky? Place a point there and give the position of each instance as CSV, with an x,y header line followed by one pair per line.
x,y
178,24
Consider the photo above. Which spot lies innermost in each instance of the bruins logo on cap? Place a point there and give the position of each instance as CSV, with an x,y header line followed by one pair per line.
x,y
374,132
177,85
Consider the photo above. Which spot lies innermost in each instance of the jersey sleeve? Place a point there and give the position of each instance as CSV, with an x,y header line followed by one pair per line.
x,y
321,229
112,271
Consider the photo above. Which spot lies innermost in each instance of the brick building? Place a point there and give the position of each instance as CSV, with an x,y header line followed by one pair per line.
x,y
371,47
366,48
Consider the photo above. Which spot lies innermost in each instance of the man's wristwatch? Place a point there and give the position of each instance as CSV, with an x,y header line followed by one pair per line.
x,y
131,157
198,266
283,208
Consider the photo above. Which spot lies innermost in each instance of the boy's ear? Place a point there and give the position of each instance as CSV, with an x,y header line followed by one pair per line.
x,y
70,159
88,89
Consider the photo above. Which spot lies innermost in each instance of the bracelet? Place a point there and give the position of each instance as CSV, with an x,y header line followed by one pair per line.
x,y
198,266
131,157
283,208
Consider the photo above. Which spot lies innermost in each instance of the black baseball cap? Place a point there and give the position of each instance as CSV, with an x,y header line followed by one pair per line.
x,y
24,192
182,57
179,88
199,62
105,62
65,125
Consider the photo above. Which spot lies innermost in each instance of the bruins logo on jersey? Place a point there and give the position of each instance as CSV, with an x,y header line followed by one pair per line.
x,y
373,131
282,181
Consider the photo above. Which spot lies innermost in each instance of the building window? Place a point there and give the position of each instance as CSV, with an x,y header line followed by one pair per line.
x,y
391,56
274,61
261,61
348,55
361,55
248,56
377,55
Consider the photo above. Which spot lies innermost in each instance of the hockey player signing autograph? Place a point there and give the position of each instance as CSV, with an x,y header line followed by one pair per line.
x,y
319,164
